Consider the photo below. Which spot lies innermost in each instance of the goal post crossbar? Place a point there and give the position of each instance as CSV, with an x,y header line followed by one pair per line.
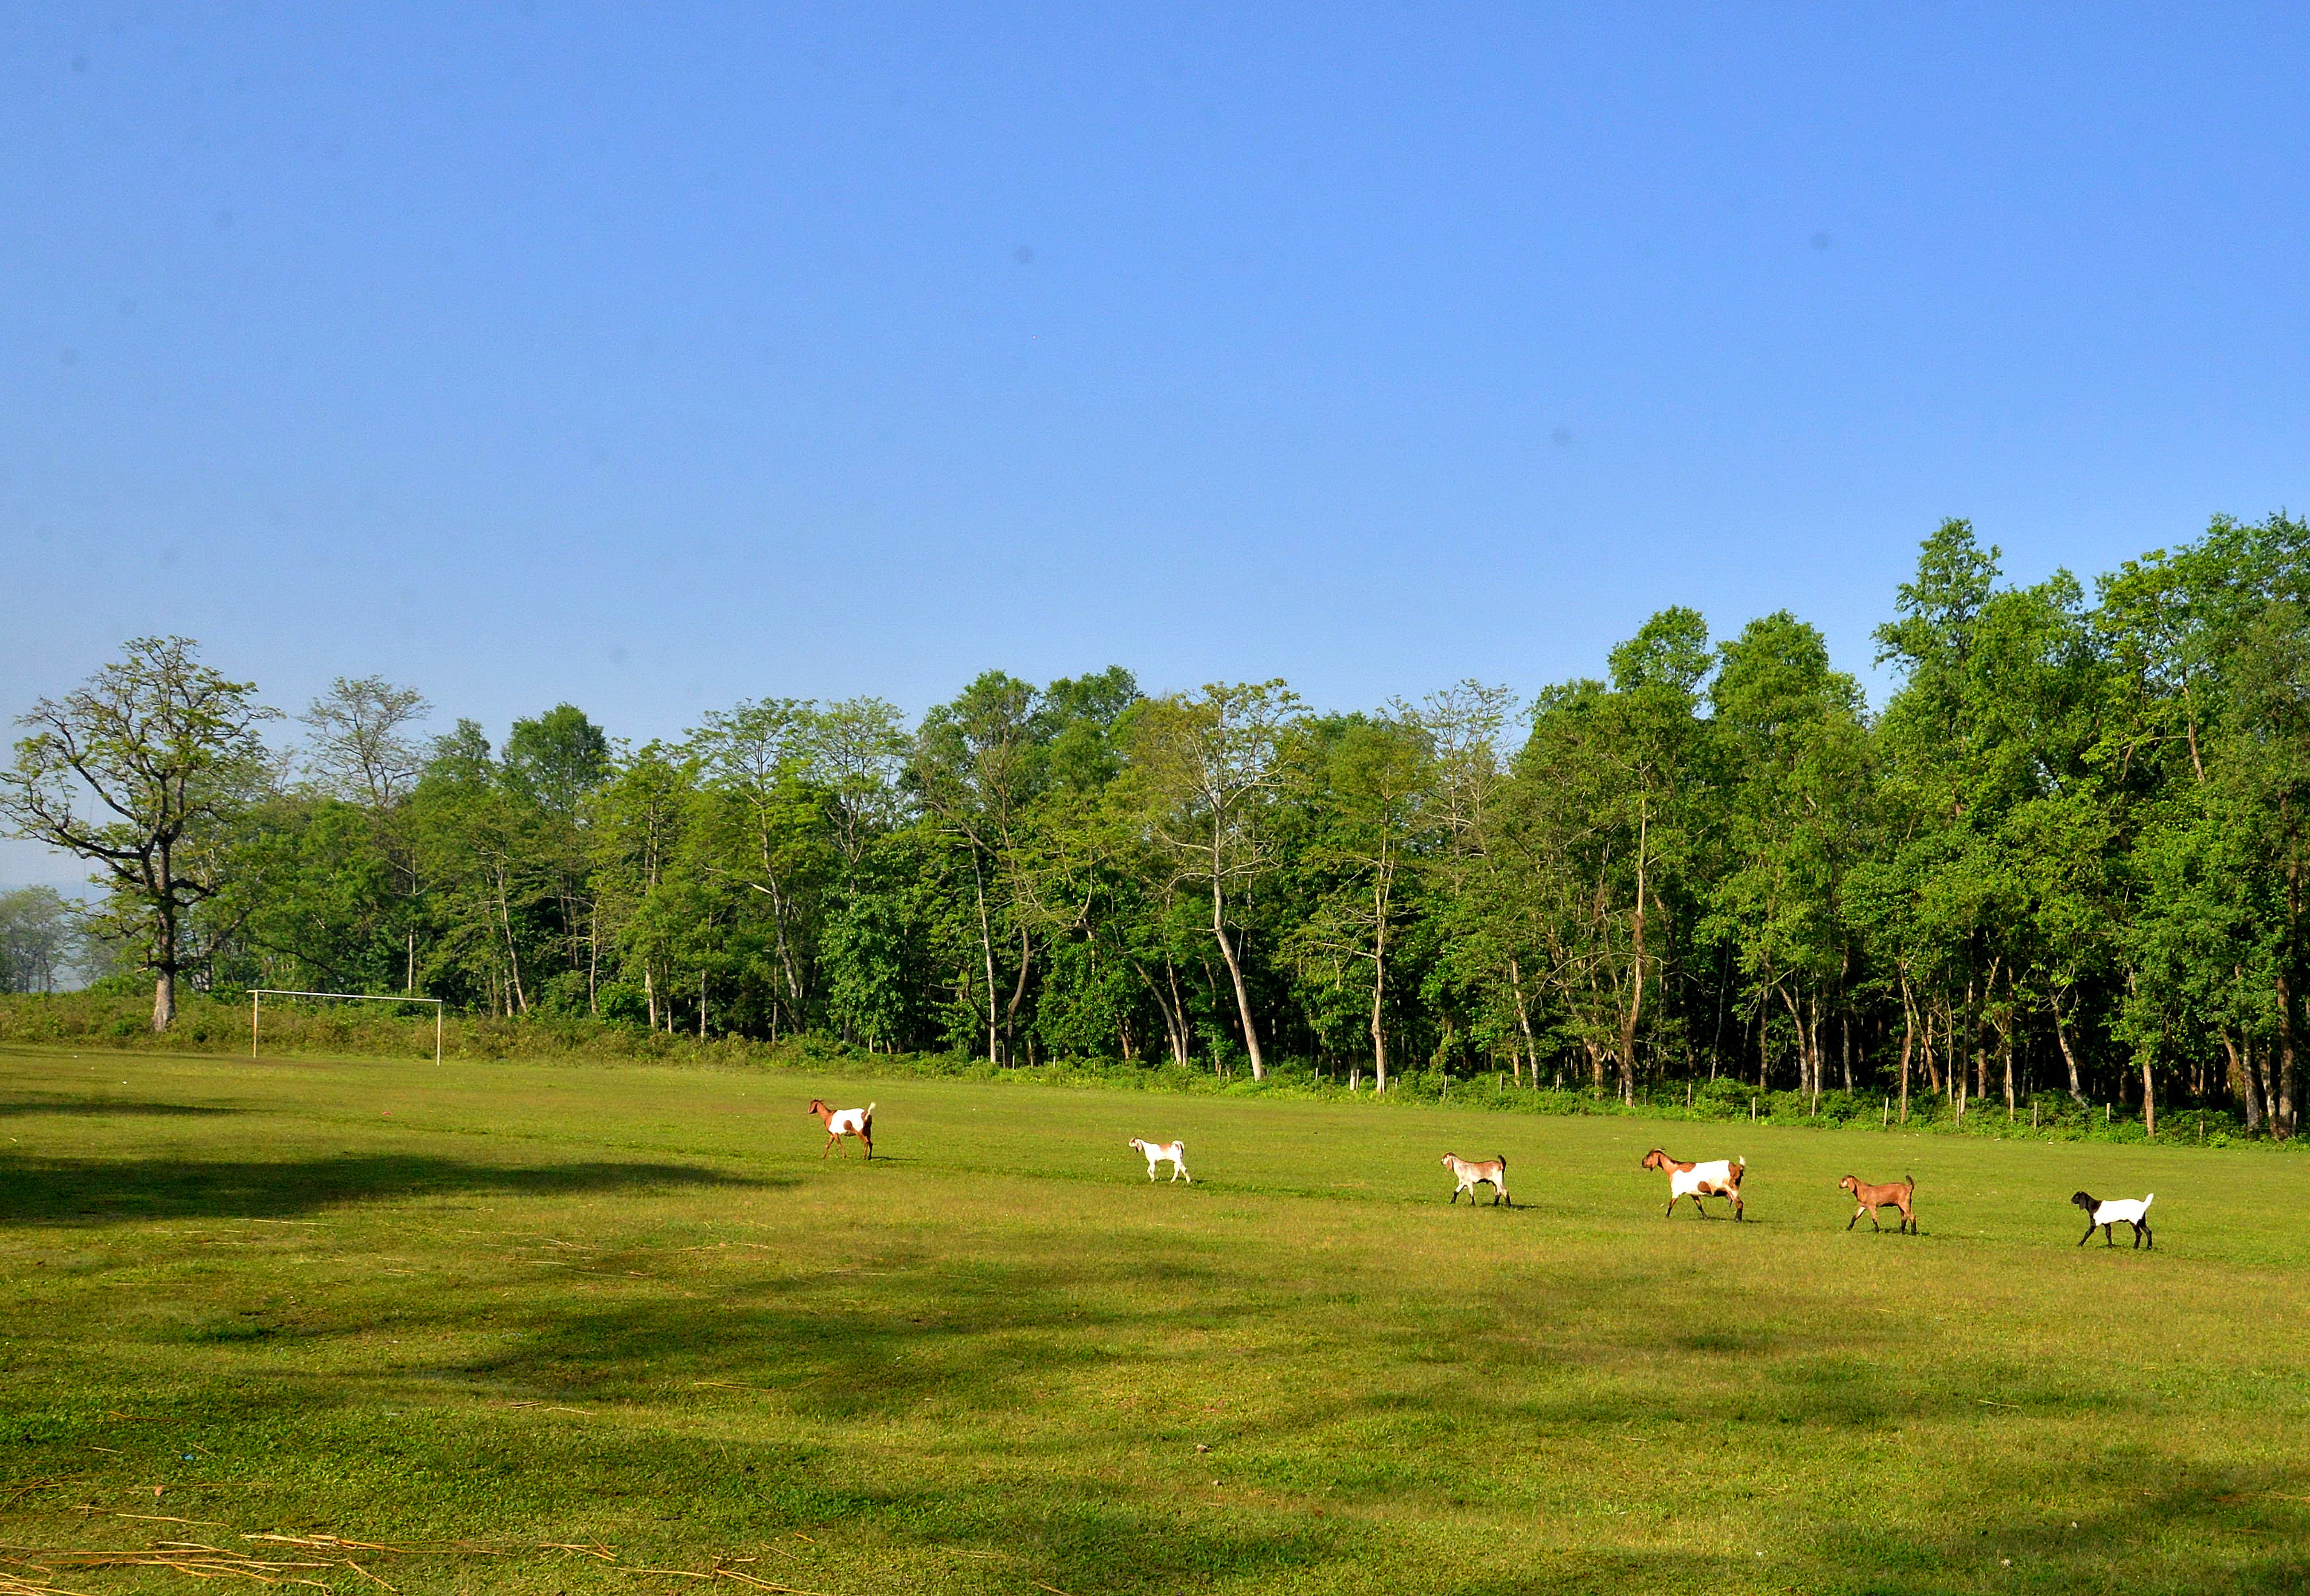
x,y
257,994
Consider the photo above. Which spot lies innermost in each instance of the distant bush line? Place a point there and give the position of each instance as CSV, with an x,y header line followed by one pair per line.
x,y
219,1026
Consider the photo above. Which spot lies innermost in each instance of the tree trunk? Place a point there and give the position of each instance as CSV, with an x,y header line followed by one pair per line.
x,y
164,962
2281,1117
1175,1027
1235,969
2062,1035
1764,1054
512,953
2149,1101
987,947
1908,1041
1017,996
778,924
1637,950
1379,987
2241,1081
1524,1021
2005,1050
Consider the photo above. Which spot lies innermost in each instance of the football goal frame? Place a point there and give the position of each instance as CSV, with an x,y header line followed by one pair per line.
x,y
257,994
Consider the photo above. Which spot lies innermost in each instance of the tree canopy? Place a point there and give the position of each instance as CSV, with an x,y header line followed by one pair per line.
x,y
2066,855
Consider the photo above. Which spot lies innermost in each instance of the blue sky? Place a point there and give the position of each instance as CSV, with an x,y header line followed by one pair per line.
x,y
655,357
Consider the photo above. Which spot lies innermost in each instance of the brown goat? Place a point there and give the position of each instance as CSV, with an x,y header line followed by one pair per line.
x,y
1900,1194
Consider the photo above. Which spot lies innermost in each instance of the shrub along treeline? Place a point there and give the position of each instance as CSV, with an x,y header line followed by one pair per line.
x,y
2065,857
218,1025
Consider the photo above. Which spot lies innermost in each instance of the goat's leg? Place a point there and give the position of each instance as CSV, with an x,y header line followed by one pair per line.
x,y
830,1139
1856,1220
2109,1234
1671,1212
1874,1224
2089,1235
2137,1233
2152,1235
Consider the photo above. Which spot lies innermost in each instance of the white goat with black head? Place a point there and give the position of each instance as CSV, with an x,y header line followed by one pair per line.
x,y
2118,1211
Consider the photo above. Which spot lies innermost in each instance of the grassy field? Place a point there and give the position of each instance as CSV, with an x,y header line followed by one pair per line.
x,y
550,1328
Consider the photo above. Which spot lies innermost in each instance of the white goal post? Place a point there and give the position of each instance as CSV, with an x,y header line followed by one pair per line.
x,y
257,994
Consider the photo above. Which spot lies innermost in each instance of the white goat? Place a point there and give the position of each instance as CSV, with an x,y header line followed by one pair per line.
x,y
1174,1153
1468,1174
2118,1211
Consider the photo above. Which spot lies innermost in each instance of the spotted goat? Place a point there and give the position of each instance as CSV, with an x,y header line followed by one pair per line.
x,y
846,1122
1719,1177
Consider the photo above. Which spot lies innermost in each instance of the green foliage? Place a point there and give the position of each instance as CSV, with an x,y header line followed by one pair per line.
x,y
2067,855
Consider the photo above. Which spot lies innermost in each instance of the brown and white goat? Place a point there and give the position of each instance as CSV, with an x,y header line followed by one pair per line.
x,y
1468,1174
1174,1153
1719,1177
846,1122
1867,1199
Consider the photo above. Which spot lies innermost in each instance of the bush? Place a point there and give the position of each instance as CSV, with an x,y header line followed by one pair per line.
x,y
217,1024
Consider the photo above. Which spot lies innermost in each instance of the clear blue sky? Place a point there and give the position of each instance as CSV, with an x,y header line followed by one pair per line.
x,y
655,357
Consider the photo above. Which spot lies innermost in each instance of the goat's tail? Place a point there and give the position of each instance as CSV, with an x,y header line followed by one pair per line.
x,y
870,1113
2146,1201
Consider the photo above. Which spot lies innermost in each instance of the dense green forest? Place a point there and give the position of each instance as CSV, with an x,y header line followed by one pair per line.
x,y
2065,856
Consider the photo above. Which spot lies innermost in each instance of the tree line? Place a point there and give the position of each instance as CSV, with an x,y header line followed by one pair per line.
x,y
2065,856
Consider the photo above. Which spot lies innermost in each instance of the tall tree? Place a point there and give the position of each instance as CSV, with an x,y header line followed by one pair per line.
x,y
40,939
1208,766
979,762
145,771
360,747
1374,786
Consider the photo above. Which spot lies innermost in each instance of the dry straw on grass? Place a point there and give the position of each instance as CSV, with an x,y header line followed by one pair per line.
x,y
204,1561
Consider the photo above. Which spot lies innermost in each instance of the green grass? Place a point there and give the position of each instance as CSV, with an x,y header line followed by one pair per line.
x,y
542,1306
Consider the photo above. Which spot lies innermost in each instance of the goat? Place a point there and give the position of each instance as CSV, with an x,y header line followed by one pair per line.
x,y
1900,1194
1495,1170
1174,1153
1719,1177
2100,1216
846,1122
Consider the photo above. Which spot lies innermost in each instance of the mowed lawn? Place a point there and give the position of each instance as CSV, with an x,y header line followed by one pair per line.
x,y
587,1322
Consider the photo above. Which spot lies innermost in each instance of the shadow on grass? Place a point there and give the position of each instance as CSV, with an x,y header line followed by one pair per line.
x,y
2153,1525
111,1190
98,1107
